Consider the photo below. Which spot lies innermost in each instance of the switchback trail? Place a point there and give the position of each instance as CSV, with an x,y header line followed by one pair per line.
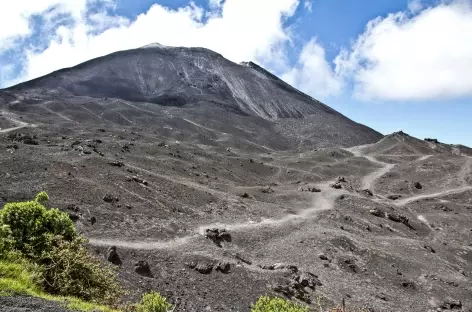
x,y
322,201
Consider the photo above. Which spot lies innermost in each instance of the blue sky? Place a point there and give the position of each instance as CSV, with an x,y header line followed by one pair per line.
x,y
390,64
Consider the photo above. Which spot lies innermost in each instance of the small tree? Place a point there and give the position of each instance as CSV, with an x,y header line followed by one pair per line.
x,y
30,224
47,238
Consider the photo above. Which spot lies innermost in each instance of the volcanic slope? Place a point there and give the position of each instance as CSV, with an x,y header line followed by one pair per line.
x,y
151,179
192,86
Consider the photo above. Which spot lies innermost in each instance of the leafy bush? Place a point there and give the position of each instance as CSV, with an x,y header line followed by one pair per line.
x,y
153,302
30,224
70,270
268,304
47,239
6,240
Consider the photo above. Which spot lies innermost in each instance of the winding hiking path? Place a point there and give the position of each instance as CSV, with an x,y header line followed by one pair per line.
x,y
22,124
322,201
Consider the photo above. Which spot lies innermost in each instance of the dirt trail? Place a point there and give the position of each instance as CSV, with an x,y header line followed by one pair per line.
x,y
322,201
368,180
22,124
408,200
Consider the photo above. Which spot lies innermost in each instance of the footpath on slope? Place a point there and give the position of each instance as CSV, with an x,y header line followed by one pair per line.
x,y
22,124
322,201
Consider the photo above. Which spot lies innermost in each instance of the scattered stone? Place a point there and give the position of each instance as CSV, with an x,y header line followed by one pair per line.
x,y
323,257
418,185
306,279
12,146
310,189
341,180
243,259
267,190
382,296
201,267
110,198
98,152
368,192
394,197
336,185
128,206
218,236
75,143
143,269
429,248
223,267
377,212
73,207
245,195
137,180
299,286
116,164
397,218
451,304
112,256
126,147
74,217
409,285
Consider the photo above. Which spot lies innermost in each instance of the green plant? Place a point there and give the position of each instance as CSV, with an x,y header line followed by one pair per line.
x,y
30,224
6,240
70,270
19,276
47,240
153,302
276,304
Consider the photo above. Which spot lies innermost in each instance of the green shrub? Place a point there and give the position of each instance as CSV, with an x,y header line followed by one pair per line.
x,y
268,304
47,238
6,240
30,224
153,302
70,270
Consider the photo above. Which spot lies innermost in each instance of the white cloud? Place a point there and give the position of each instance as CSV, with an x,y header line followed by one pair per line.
x,y
242,30
415,6
405,57
313,74
308,5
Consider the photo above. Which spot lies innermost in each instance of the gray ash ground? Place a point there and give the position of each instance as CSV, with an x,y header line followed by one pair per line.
x,y
289,208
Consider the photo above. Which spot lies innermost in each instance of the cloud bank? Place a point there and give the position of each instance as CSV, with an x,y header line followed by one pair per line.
x,y
408,56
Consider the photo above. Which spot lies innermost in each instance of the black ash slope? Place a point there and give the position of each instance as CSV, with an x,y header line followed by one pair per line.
x,y
192,81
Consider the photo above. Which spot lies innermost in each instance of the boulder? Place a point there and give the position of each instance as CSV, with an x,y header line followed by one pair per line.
x,y
218,236
202,267
336,185
377,212
142,268
110,198
112,256
451,304
223,267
